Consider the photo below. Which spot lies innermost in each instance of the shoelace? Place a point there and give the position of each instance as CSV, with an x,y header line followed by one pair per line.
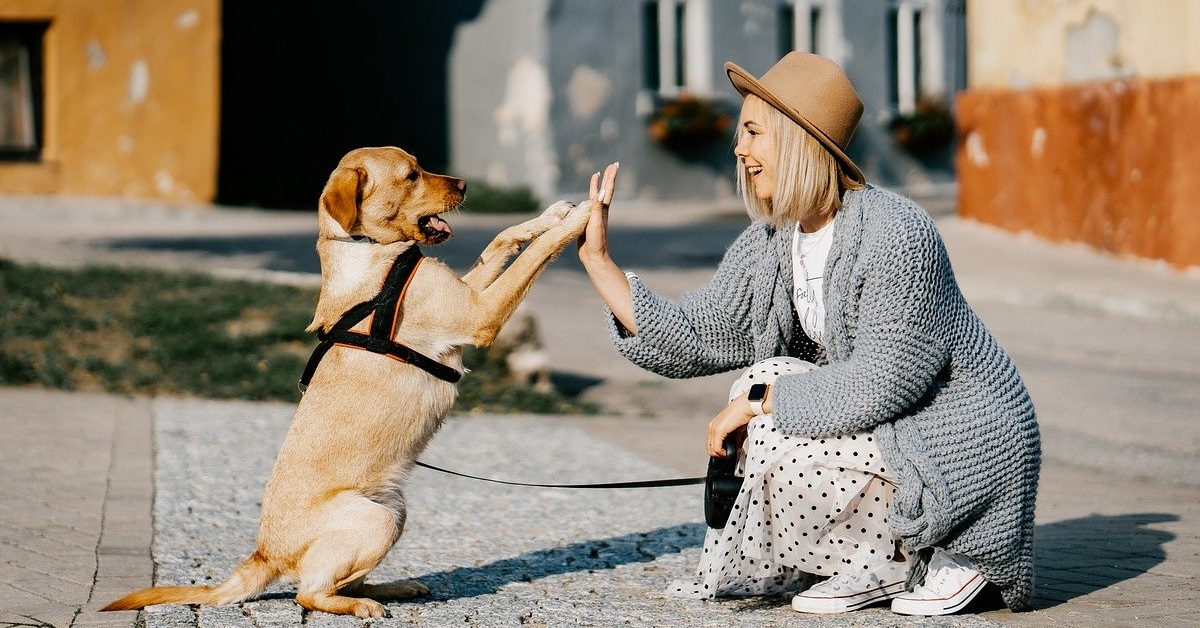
x,y
941,576
855,582
837,582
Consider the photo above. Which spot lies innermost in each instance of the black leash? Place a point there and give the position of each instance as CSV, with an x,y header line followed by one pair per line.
x,y
636,484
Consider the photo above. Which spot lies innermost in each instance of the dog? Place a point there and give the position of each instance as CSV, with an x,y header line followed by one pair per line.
x,y
334,504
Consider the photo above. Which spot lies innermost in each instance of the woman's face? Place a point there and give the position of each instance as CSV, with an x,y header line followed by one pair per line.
x,y
755,149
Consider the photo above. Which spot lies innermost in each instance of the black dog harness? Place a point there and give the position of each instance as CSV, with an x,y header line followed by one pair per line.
x,y
384,313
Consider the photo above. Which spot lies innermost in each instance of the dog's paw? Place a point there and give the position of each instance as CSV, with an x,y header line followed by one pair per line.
x,y
577,218
366,609
558,211
395,591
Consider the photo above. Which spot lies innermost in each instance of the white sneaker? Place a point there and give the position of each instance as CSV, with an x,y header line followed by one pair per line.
x,y
850,592
950,585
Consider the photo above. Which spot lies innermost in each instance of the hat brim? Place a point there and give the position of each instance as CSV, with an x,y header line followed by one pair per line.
x,y
745,83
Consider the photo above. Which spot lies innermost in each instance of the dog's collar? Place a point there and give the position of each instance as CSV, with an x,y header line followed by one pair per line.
x,y
384,313
357,239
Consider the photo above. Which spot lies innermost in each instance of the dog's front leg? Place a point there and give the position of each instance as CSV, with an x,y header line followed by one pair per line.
x,y
508,243
496,303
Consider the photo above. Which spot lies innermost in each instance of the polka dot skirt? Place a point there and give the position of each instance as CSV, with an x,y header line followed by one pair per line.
x,y
807,507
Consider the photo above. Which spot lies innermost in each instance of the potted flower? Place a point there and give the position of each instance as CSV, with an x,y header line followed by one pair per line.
x,y
688,125
924,132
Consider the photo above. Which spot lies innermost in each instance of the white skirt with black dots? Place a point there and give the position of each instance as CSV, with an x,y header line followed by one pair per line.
x,y
807,507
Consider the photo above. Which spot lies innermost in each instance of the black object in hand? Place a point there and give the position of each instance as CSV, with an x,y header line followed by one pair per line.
x,y
721,486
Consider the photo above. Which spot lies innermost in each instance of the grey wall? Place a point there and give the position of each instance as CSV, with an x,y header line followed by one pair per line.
x,y
545,92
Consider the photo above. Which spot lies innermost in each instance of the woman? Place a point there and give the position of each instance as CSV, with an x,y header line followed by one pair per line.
x,y
905,467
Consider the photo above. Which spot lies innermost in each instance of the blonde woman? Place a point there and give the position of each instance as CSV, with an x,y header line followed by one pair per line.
x,y
890,449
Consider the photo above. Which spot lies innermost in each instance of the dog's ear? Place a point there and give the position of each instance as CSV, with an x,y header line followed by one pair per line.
x,y
342,195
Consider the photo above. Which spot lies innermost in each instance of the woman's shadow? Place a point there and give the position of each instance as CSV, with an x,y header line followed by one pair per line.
x,y
1076,557
1072,558
1080,556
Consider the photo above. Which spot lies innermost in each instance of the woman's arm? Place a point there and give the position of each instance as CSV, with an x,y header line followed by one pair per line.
x,y
608,279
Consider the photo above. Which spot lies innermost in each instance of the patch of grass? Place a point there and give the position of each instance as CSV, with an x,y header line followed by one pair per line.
x,y
490,199
151,332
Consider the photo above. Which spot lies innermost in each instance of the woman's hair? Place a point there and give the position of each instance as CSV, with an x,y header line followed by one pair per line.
x,y
808,180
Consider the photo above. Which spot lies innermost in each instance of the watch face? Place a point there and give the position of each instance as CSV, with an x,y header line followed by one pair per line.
x,y
758,392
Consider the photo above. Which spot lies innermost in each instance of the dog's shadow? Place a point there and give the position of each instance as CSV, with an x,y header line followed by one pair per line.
x,y
1076,557
591,555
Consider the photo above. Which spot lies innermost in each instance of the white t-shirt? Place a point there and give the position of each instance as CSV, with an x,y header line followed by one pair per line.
x,y
809,253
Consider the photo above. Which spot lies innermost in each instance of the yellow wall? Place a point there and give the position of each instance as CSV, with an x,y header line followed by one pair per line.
x,y
131,99
1037,43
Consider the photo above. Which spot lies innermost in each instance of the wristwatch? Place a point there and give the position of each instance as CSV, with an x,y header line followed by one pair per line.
x,y
756,397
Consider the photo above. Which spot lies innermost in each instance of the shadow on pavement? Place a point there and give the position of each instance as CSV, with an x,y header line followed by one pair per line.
x,y
1080,556
583,556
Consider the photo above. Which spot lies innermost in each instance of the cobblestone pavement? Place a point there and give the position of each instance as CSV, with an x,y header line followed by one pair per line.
x,y
491,555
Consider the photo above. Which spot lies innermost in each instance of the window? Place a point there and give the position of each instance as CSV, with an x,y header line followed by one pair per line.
x,y
914,41
21,90
675,47
810,26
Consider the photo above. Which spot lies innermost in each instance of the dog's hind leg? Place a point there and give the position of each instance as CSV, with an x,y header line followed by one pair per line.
x,y
387,591
356,536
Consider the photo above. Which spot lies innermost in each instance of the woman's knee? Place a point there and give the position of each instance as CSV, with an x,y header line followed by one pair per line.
x,y
766,372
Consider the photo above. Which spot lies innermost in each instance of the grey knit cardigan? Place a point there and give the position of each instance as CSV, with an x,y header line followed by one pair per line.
x,y
905,357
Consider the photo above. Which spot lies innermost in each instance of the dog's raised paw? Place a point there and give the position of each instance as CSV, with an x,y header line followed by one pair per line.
x,y
558,210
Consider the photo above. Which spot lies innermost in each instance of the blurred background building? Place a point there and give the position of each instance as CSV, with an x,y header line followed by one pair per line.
x,y
546,92
1071,114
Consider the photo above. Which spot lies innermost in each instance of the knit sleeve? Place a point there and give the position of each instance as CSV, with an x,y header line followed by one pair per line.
x,y
899,346
706,331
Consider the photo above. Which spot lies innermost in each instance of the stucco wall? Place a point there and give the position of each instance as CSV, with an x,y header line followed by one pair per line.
x,y
1110,164
1087,131
131,99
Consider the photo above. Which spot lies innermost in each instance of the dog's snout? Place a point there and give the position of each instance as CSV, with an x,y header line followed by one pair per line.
x,y
461,185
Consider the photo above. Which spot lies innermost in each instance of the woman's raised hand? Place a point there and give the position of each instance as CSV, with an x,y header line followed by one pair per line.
x,y
593,244
609,281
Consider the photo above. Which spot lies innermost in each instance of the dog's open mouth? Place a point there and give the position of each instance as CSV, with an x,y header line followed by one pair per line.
x,y
435,229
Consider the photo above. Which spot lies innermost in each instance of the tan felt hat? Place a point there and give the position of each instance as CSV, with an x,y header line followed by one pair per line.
x,y
815,93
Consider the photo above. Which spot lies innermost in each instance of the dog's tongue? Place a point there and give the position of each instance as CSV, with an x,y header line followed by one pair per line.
x,y
437,224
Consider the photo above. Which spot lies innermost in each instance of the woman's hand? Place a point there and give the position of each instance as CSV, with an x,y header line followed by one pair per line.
x,y
609,281
734,417
593,244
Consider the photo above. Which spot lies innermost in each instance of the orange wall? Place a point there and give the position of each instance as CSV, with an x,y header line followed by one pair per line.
x,y
131,99
1112,164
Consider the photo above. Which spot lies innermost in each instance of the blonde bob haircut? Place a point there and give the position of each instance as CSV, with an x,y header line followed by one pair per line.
x,y
809,183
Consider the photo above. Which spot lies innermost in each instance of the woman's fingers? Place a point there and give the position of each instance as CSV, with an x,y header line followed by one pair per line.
x,y
730,420
601,190
610,183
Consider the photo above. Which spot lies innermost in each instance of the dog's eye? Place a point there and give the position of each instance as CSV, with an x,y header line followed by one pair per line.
x,y
413,174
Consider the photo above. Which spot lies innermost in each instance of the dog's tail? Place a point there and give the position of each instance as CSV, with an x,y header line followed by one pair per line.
x,y
247,580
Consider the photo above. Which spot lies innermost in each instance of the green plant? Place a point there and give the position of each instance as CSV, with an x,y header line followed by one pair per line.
x,y
924,132
688,124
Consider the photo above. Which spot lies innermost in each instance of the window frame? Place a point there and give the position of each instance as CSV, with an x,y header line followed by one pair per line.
x,y
30,35
677,48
